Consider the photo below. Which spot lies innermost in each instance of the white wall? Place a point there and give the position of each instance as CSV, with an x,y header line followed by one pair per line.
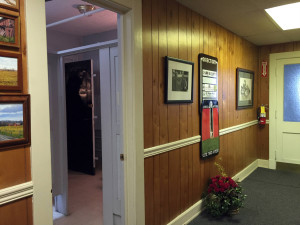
x,y
100,37
57,41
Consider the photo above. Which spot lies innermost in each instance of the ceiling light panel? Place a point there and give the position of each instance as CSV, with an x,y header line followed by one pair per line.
x,y
286,16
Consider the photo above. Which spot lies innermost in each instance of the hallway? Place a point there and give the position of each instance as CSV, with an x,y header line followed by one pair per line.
x,y
85,200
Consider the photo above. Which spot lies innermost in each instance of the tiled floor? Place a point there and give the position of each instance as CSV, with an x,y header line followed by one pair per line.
x,y
85,200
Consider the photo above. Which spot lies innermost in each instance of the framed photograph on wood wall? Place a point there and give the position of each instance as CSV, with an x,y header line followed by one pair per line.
x,y
10,72
244,88
14,120
179,80
9,30
10,4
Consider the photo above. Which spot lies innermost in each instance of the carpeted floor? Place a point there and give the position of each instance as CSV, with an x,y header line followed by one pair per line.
x,y
273,198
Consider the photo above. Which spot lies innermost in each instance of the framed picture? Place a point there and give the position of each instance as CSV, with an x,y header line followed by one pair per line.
x,y
9,30
179,80
10,72
10,4
244,88
14,120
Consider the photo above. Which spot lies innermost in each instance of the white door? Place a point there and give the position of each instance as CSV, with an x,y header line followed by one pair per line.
x,y
111,117
58,133
287,113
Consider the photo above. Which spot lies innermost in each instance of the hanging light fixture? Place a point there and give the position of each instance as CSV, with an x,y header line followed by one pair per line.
x,y
84,8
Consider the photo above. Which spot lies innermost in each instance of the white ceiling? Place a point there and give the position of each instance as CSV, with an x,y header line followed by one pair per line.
x,y
57,10
246,18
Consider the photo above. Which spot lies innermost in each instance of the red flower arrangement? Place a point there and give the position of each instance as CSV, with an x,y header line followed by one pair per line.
x,y
223,197
221,184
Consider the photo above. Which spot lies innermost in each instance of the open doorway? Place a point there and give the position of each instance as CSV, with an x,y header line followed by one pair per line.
x,y
77,40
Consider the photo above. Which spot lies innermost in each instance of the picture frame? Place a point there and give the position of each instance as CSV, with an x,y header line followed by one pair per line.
x,y
14,121
9,30
11,72
244,88
10,4
179,80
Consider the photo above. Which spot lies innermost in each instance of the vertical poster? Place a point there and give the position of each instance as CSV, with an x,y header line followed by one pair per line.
x,y
209,109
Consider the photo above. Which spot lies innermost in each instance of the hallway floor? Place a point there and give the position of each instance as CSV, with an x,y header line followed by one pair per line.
x,y
85,200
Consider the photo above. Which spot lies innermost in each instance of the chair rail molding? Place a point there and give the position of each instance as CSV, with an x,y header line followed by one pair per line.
x,y
159,149
16,192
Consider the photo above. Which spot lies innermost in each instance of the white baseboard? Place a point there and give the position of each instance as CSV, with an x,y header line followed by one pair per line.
x,y
192,212
240,176
188,215
263,163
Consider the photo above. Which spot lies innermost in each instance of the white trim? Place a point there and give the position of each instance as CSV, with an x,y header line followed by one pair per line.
x,y
148,152
268,121
240,176
86,48
188,215
16,192
273,102
263,163
171,146
40,118
237,127
191,213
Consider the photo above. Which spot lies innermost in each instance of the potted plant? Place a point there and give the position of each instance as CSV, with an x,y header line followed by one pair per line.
x,y
223,196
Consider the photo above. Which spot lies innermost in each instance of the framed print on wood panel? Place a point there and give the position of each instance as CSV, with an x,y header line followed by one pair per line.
x,y
244,88
14,121
10,72
9,30
179,79
10,4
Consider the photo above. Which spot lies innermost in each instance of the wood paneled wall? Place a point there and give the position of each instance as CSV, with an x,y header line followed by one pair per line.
x,y
176,179
263,90
15,163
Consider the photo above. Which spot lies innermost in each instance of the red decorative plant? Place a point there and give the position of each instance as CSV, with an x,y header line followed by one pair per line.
x,y
223,196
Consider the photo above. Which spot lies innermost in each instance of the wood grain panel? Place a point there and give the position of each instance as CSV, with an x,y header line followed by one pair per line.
x,y
197,26
147,71
173,113
155,72
163,108
13,167
190,111
149,189
164,189
176,179
16,213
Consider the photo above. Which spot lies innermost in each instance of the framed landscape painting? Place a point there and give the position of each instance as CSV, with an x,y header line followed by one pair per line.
x,y
9,30
14,120
10,72
10,4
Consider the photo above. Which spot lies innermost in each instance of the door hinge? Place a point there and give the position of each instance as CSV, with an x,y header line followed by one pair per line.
x,y
276,114
275,155
122,157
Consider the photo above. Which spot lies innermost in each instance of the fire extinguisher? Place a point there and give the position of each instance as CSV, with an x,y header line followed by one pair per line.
x,y
261,115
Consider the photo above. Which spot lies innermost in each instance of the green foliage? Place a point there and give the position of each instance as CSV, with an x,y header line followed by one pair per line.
x,y
12,131
223,196
7,39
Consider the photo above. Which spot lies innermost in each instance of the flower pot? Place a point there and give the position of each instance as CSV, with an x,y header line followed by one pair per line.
x,y
233,212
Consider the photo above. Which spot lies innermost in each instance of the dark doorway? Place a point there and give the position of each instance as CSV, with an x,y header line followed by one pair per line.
x,y
79,107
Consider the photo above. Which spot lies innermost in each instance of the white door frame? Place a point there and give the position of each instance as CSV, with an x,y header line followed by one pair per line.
x,y
132,74
273,103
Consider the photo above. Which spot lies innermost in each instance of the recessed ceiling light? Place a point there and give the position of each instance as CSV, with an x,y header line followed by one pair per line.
x,y
286,16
